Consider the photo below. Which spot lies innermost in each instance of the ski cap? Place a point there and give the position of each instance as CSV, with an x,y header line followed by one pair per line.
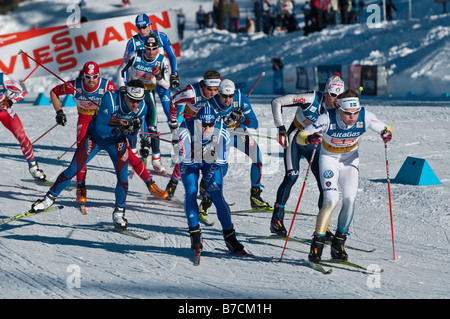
x,y
91,68
142,20
226,87
151,41
206,115
135,92
349,103
335,85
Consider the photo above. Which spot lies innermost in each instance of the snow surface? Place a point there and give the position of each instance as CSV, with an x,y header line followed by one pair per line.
x,y
64,254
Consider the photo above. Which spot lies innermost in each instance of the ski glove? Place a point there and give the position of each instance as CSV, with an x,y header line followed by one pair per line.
x,y
131,128
157,73
61,118
282,136
174,80
315,138
386,134
237,115
145,146
6,104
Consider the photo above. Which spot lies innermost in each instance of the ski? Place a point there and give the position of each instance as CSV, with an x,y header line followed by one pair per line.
x,y
306,241
83,208
163,174
44,182
319,267
28,214
205,220
266,210
126,232
197,257
334,262
244,254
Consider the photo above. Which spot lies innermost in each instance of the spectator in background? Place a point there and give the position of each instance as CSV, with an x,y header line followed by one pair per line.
x,y
343,5
333,7
357,7
306,9
181,20
250,26
234,16
391,10
278,85
258,10
269,17
200,17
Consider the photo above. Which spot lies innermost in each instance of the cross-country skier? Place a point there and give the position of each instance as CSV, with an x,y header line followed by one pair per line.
x,y
309,106
339,130
189,101
237,114
136,42
151,68
12,92
120,114
87,91
204,142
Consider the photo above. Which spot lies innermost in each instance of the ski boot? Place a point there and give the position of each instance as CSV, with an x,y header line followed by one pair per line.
x,y
43,204
205,205
157,164
277,227
37,173
315,253
118,217
232,243
196,238
329,237
155,190
171,187
337,246
256,201
81,193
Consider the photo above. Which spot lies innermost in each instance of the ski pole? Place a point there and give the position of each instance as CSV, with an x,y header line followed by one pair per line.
x,y
299,199
59,157
37,64
390,200
45,133
155,137
256,82
59,78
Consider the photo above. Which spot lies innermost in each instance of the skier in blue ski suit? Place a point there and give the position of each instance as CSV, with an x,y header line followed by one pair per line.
x,y
237,113
136,42
120,114
203,148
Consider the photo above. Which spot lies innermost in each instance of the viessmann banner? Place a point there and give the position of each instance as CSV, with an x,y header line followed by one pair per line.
x,y
102,41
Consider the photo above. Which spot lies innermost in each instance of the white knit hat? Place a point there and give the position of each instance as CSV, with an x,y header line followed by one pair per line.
x,y
226,87
335,84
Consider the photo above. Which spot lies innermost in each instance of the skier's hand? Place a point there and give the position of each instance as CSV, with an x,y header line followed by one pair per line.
x,y
157,73
131,127
386,134
282,137
61,118
315,138
237,115
174,80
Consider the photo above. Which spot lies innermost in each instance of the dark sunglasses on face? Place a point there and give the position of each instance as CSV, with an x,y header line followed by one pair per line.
x,y
333,94
152,49
207,124
142,28
88,77
227,96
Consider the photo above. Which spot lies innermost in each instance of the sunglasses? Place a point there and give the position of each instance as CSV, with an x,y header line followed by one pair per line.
x,y
230,96
333,94
141,28
88,77
207,124
349,112
134,100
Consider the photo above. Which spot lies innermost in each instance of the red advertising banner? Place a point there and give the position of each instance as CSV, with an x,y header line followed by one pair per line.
x,y
102,41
